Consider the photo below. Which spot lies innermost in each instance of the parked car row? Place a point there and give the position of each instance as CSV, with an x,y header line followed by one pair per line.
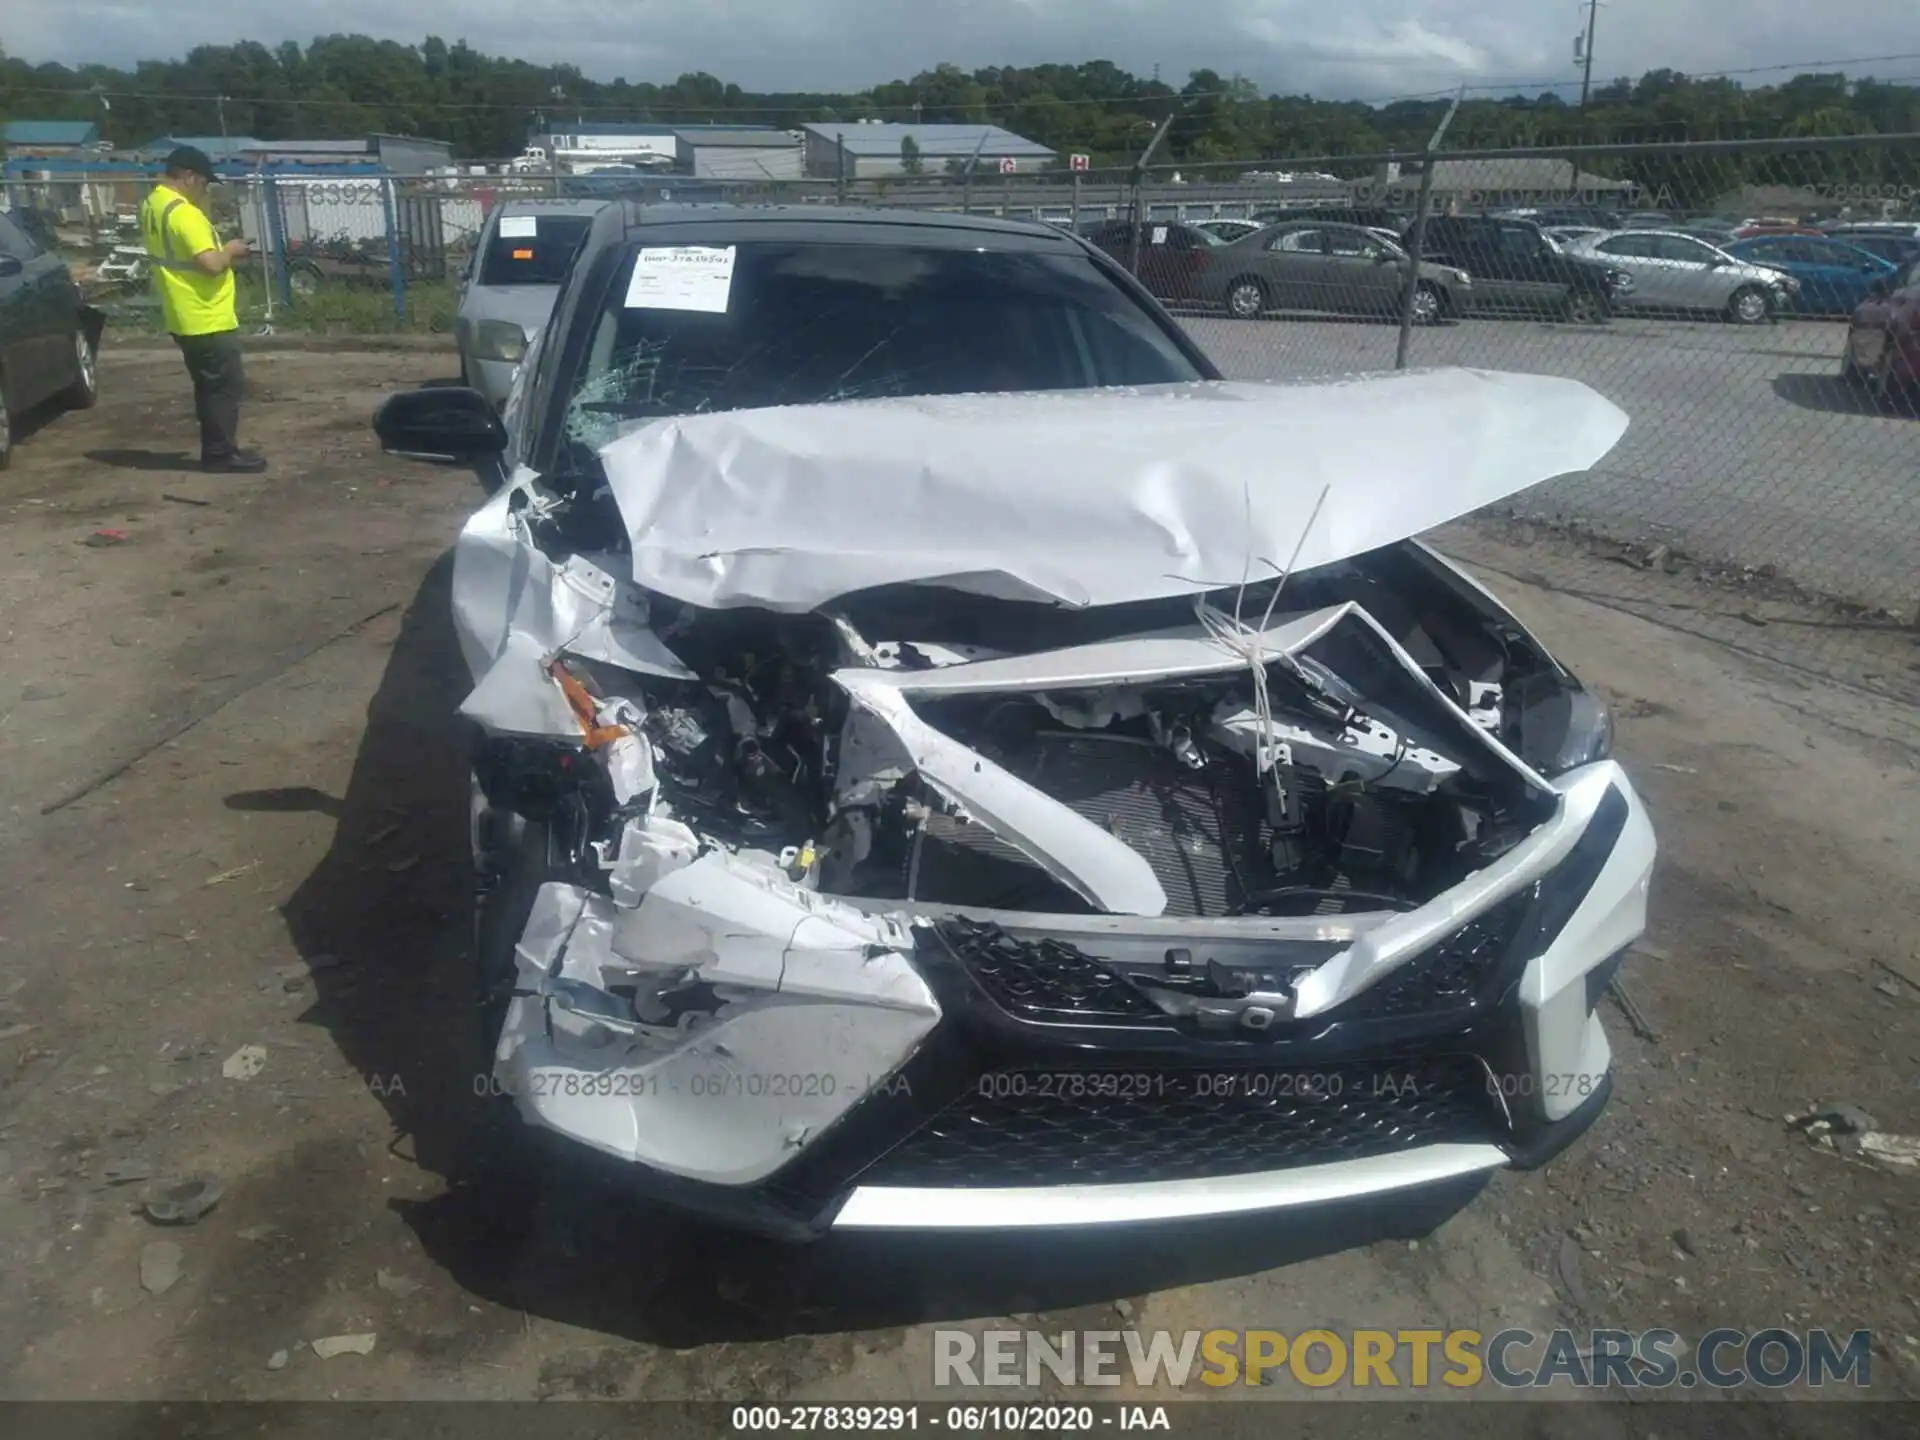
x,y
1356,262
1471,265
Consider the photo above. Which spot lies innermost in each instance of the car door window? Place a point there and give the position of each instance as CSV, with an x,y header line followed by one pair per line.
x,y
1678,247
1630,247
1352,243
1806,252
1300,242
1517,243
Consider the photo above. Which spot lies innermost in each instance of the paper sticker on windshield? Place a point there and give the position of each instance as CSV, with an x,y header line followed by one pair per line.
x,y
519,227
1159,234
682,277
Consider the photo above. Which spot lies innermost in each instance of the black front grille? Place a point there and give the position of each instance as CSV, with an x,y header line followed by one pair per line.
x,y
1108,1126
1455,972
1040,979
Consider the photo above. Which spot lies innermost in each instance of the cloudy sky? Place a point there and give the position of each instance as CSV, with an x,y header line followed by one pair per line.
x,y
1354,48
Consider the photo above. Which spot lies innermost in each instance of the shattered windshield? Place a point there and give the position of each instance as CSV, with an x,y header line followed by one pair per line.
x,y
798,324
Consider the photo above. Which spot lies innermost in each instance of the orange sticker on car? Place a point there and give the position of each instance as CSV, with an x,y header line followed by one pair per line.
x,y
523,254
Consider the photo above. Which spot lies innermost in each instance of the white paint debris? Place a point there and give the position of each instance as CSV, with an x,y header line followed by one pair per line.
x,y
329,1346
245,1063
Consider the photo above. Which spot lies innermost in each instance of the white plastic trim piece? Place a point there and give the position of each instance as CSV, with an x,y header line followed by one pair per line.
x,y
887,1207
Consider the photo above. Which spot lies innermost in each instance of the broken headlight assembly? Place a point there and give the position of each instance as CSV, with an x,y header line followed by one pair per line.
x,y
499,340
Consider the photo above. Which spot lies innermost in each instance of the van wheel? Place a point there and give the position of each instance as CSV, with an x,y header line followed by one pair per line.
x,y
1246,299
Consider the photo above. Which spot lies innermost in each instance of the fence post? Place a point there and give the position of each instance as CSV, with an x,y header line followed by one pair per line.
x,y
1140,193
279,274
396,266
1073,215
840,169
1416,242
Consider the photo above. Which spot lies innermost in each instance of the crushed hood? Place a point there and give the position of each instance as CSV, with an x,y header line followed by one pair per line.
x,y
1089,497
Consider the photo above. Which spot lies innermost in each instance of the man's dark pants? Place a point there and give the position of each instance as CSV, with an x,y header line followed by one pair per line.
x,y
214,363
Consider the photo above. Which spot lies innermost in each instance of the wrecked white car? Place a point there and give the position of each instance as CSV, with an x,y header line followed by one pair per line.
x,y
946,759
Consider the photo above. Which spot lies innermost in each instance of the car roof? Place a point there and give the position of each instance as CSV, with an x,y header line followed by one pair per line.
x,y
533,205
1649,230
852,224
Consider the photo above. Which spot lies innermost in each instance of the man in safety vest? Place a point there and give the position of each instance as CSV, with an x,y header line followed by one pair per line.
x,y
194,272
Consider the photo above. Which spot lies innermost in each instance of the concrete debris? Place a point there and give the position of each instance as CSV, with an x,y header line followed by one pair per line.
x,y
398,1285
329,1346
245,1063
278,1360
225,875
160,1266
1837,1117
182,1201
253,1234
1849,1131
126,1171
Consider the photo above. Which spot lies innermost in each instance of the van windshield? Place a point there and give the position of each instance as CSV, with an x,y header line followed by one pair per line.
x,y
532,249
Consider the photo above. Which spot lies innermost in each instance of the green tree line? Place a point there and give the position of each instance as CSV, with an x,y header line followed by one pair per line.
x,y
348,85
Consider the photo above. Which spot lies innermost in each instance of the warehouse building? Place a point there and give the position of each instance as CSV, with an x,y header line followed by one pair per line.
x,y
876,149
390,154
715,153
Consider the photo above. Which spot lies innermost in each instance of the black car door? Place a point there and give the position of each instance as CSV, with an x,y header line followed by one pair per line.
x,y
36,318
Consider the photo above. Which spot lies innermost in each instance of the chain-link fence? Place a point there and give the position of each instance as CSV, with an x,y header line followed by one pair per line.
x,y
1754,306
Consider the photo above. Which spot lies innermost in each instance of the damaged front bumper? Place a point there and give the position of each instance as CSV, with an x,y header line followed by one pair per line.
x,y
809,1064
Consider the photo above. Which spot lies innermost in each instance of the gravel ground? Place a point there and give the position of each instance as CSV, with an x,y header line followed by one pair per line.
x,y
1744,445
286,871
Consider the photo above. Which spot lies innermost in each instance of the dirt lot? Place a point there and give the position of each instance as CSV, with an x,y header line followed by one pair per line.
x,y
287,871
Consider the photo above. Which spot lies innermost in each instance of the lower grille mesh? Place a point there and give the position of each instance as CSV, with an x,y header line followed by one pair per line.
x,y
1106,1126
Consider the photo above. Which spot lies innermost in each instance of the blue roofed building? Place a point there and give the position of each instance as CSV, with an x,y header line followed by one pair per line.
x,y
48,138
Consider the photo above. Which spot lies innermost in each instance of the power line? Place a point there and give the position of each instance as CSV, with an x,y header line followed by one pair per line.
x,y
864,98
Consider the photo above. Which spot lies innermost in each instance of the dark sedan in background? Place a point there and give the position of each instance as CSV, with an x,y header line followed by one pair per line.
x,y
48,338
1173,256
1517,268
1339,269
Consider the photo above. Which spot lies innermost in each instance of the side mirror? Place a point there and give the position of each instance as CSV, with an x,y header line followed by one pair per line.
x,y
1879,287
10,265
439,423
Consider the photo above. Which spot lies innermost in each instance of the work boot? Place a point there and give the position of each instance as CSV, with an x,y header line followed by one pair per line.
x,y
240,462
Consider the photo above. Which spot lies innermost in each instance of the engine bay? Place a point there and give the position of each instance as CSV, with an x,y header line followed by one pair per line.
x,y
1332,778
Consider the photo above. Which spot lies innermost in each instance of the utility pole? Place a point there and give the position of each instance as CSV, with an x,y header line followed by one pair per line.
x,y
1139,191
1417,238
1586,73
220,104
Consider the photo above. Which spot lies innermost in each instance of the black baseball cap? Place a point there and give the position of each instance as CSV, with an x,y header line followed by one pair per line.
x,y
190,161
